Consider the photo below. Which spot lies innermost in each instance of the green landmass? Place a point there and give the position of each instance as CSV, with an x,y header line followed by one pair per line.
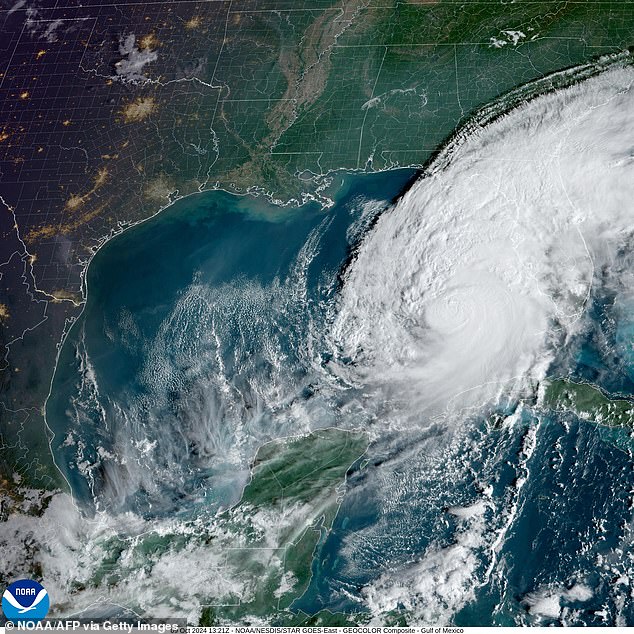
x,y
358,85
264,546
588,403
298,479
263,97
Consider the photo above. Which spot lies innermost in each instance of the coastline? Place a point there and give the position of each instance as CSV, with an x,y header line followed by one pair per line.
x,y
500,107
528,440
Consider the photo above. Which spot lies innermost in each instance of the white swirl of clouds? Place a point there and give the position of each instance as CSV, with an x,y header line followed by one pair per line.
x,y
467,288
464,289
458,294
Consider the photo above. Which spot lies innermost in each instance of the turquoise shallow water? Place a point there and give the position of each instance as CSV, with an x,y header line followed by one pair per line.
x,y
195,330
202,338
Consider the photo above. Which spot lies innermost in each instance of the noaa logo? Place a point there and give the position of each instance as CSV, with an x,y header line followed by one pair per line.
x,y
25,600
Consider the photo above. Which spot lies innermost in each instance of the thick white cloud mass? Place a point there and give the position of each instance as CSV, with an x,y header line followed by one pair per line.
x,y
460,294
131,67
462,290
468,287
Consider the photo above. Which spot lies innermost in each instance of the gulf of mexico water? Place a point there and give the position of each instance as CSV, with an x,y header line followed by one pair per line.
x,y
199,341
203,337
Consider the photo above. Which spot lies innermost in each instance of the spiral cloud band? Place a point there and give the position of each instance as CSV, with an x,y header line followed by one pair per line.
x,y
462,291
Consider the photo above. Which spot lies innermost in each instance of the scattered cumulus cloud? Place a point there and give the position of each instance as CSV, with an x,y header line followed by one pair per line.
x,y
130,68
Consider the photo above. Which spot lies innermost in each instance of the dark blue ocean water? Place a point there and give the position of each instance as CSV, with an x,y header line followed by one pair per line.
x,y
191,317
198,343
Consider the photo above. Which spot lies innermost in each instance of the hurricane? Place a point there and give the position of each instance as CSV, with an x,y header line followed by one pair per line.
x,y
463,296
463,291
431,331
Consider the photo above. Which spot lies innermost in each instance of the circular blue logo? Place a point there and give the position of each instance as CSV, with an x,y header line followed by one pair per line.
x,y
25,600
